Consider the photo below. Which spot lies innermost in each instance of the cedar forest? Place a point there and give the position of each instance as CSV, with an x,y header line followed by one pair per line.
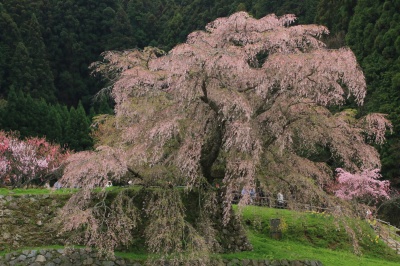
x,y
46,47
52,69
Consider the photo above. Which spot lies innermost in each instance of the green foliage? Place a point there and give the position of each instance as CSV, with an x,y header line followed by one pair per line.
x,y
373,35
35,117
67,36
43,84
121,31
53,126
9,39
390,211
335,14
78,130
21,72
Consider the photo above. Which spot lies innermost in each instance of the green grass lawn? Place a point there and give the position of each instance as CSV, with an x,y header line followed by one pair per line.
x,y
2,253
265,248
313,236
306,236
34,191
42,191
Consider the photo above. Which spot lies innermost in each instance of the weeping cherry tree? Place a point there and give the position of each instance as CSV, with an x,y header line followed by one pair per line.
x,y
246,101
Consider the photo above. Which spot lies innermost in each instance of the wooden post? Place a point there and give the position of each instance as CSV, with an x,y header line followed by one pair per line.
x,y
275,230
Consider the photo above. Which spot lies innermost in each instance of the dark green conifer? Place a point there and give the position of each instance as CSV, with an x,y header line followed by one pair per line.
x,y
43,82
21,72
78,129
121,36
53,125
9,38
63,112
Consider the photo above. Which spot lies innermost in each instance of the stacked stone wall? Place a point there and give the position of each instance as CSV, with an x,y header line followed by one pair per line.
x,y
26,220
73,257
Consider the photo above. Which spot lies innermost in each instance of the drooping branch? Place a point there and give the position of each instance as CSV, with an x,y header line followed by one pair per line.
x,y
211,104
135,173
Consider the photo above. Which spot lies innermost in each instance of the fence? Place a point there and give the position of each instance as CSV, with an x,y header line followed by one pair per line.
x,y
286,204
389,234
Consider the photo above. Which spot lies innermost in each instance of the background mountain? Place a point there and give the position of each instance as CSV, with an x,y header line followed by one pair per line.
x,y
46,47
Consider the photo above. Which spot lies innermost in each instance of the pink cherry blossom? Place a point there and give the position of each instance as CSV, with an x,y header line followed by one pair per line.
x,y
22,161
364,185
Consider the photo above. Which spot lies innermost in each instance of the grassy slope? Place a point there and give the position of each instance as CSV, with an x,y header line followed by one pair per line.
x,y
311,236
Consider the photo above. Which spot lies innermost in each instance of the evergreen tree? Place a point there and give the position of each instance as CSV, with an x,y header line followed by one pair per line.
x,y
21,10
175,29
10,112
21,72
102,105
71,130
139,13
78,129
9,38
40,126
121,35
14,112
35,118
53,125
64,114
43,83
373,32
30,120
335,14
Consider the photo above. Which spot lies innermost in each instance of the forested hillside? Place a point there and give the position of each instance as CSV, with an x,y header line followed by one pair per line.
x,y
46,47
374,35
52,42
372,30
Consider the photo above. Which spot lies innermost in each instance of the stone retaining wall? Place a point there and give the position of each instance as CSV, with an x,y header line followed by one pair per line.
x,y
26,220
75,257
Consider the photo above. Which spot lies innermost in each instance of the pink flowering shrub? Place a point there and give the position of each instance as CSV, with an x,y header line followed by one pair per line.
x,y
22,161
363,185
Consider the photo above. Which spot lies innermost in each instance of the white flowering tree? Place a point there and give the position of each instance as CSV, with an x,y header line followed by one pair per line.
x,y
244,100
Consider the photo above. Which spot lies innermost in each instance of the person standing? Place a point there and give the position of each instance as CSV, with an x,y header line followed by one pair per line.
x,y
280,200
